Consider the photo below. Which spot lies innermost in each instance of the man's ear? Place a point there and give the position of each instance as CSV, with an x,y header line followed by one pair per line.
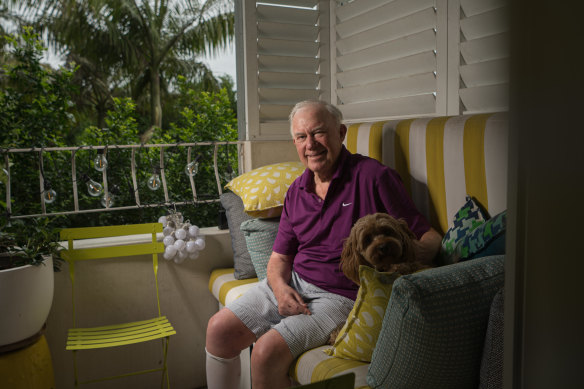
x,y
343,130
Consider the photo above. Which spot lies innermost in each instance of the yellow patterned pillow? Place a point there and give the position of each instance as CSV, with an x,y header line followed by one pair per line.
x,y
262,190
358,337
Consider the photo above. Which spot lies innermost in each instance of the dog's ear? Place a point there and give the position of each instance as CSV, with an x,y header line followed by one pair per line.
x,y
407,239
349,259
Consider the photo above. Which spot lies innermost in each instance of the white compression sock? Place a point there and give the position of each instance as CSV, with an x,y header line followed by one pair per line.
x,y
223,373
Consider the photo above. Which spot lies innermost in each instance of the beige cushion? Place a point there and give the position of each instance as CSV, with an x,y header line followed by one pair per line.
x,y
224,286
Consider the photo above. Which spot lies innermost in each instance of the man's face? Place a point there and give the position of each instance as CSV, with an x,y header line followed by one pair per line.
x,y
318,141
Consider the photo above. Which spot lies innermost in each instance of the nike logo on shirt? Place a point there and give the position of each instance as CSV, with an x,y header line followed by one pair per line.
x,y
346,204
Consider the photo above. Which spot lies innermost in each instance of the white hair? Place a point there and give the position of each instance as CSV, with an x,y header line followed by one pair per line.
x,y
334,112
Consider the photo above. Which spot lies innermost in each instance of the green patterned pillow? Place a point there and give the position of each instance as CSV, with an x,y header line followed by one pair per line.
x,y
486,239
260,235
358,336
466,219
434,326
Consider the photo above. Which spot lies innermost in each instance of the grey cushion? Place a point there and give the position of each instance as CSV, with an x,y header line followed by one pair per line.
x,y
434,327
235,216
260,235
491,376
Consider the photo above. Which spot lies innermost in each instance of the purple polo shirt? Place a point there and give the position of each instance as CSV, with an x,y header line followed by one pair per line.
x,y
314,230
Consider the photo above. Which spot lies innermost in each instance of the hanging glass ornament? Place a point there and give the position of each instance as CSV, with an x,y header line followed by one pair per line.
x,y
154,180
107,200
50,196
100,162
93,188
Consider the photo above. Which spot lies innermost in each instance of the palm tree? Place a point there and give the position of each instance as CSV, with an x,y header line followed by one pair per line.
x,y
139,40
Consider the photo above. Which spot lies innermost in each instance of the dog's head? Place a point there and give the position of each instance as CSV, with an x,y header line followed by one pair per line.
x,y
379,241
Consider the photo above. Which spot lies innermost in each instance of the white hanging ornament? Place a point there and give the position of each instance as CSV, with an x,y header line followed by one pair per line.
x,y
180,233
180,257
191,246
200,243
179,244
170,252
193,231
167,230
168,240
162,220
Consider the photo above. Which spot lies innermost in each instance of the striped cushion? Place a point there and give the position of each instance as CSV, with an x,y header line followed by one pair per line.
x,y
226,288
441,160
315,365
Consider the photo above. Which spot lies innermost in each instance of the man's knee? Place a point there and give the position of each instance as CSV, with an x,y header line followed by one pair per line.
x,y
271,349
227,335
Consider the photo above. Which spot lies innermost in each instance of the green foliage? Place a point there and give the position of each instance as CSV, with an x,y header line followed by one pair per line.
x,y
35,109
28,241
35,102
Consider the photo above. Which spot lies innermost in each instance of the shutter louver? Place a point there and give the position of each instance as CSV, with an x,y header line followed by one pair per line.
x,y
484,56
286,62
386,59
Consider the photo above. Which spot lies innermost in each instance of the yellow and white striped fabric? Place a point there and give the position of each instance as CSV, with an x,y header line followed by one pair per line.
x,y
442,159
224,286
315,365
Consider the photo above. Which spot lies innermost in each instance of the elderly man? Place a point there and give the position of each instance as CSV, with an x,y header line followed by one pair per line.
x,y
305,296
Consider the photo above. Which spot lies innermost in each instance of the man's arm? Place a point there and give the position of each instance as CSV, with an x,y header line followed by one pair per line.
x,y
279,273
427,247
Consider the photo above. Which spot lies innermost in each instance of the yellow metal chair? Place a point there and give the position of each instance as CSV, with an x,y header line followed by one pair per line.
x,y
117,334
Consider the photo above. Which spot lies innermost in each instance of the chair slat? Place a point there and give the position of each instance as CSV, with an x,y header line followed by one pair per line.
x,y
109,231
112,252
127,333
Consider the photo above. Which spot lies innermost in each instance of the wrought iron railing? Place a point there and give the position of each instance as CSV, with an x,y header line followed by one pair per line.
x,y
44,193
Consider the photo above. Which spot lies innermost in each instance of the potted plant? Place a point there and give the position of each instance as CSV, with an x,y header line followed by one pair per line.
x,y
29,253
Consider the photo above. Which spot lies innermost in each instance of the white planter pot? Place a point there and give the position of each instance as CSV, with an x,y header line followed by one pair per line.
x,y
26,296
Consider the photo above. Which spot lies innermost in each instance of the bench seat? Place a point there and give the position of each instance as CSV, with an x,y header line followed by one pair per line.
x,y
225,288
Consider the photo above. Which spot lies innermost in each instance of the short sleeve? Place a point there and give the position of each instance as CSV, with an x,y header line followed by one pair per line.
x,y
398,202
286,241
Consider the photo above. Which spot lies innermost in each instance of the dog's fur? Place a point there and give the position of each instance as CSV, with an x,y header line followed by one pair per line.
x,y
382,242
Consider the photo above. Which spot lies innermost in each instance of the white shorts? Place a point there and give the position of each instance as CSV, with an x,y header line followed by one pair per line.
x,y
258,310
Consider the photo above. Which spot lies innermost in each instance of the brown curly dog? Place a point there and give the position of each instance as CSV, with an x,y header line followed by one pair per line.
x,y
382,242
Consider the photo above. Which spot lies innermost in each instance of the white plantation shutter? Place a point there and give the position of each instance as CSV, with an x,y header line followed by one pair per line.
x,y
480,56
286,46
389,58
374,59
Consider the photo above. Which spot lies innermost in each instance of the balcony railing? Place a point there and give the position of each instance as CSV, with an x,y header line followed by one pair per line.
x,y
44,196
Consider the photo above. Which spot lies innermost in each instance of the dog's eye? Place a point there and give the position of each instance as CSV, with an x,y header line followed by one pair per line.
x,y
367,240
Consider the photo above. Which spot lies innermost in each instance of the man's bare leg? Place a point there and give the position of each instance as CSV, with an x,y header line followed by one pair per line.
x,y
270,360
226,337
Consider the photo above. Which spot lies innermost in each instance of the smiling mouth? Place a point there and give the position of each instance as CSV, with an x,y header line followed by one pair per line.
x,y
315,155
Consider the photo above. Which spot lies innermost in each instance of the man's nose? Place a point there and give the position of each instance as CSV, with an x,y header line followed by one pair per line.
x,y
310,141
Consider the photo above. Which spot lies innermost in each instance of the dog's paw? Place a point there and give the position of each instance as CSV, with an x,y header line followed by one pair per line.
x,y
333,336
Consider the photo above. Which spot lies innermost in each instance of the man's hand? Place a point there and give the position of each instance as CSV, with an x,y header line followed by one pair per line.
x,y
290,302
427,247
279,273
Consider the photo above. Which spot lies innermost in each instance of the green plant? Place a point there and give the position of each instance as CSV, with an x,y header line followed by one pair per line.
x,y
28,242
